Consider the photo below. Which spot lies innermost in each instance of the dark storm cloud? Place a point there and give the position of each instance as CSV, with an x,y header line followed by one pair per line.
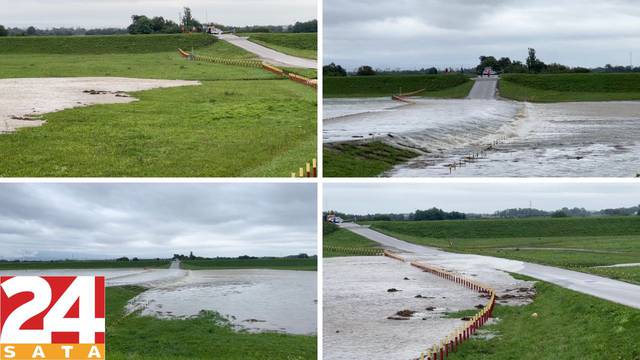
x,y
156,220
423,33
478,197
117,13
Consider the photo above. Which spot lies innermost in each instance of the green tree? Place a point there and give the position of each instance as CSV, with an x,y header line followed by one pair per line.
x,y
189,22
533,64
157,23
305,27
31,31
140,25
365,70
485,62
333,70
3,31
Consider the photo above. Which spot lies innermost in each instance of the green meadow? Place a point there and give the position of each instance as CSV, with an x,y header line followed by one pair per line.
x,y
310,264
437,86
580,244
570,87
297,44
334,236
239,122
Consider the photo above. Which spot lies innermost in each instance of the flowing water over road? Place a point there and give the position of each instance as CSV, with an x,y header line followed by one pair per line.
x,y
513,138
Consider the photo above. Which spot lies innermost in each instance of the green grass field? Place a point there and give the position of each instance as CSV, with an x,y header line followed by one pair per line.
x,y
569,325
333,236
310,264
83,264
239,122
439,86
570,87
207,336
362,159
297,44
573,243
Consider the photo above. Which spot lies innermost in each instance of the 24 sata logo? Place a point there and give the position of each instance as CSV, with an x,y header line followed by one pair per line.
x,y
52,317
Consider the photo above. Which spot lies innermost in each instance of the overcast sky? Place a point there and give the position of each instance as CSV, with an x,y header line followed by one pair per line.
x,y
156,220
117,13
475,198
451,33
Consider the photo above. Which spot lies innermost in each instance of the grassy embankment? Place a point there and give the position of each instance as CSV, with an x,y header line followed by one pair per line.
x,y
573,243
333,236
297,44
437,86
362,159
310,264
239,122
570,87
569,325
207,336
83,264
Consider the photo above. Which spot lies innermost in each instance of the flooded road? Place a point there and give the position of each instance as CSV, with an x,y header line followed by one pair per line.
x,y
255,300
511,138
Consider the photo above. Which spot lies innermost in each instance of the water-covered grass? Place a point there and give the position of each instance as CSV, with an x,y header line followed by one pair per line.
x,y
362,159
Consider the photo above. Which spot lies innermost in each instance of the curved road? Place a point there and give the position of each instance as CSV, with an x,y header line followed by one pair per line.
x,y
604,288
270,55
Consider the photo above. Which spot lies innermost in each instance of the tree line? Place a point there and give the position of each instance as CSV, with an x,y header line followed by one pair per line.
x,y
435,214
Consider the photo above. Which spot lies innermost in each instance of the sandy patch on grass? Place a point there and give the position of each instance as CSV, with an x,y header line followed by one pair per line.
x,y
23,100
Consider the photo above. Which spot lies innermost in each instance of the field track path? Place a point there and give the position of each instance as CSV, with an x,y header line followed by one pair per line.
x,y
601,287
270,55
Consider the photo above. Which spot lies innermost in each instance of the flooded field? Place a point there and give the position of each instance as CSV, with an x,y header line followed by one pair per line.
x,y
357,305
259,300
511,138
256,300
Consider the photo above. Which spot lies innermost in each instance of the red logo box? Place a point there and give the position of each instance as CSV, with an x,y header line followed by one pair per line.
x,y
52,317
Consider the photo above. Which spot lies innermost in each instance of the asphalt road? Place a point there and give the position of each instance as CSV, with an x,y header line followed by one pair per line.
x,y
484,89
270,55
604,288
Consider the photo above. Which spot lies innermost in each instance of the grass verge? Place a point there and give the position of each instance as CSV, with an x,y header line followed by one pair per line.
x,y
570,87
310,264
452,85
296,44
362,159
207,336
569,325
333,236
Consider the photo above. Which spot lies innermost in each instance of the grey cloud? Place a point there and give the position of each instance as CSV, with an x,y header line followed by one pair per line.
x,y
107,13
157,220
414,33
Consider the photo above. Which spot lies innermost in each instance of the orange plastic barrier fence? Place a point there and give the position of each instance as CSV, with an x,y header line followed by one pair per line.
x,y
310,170
452,342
